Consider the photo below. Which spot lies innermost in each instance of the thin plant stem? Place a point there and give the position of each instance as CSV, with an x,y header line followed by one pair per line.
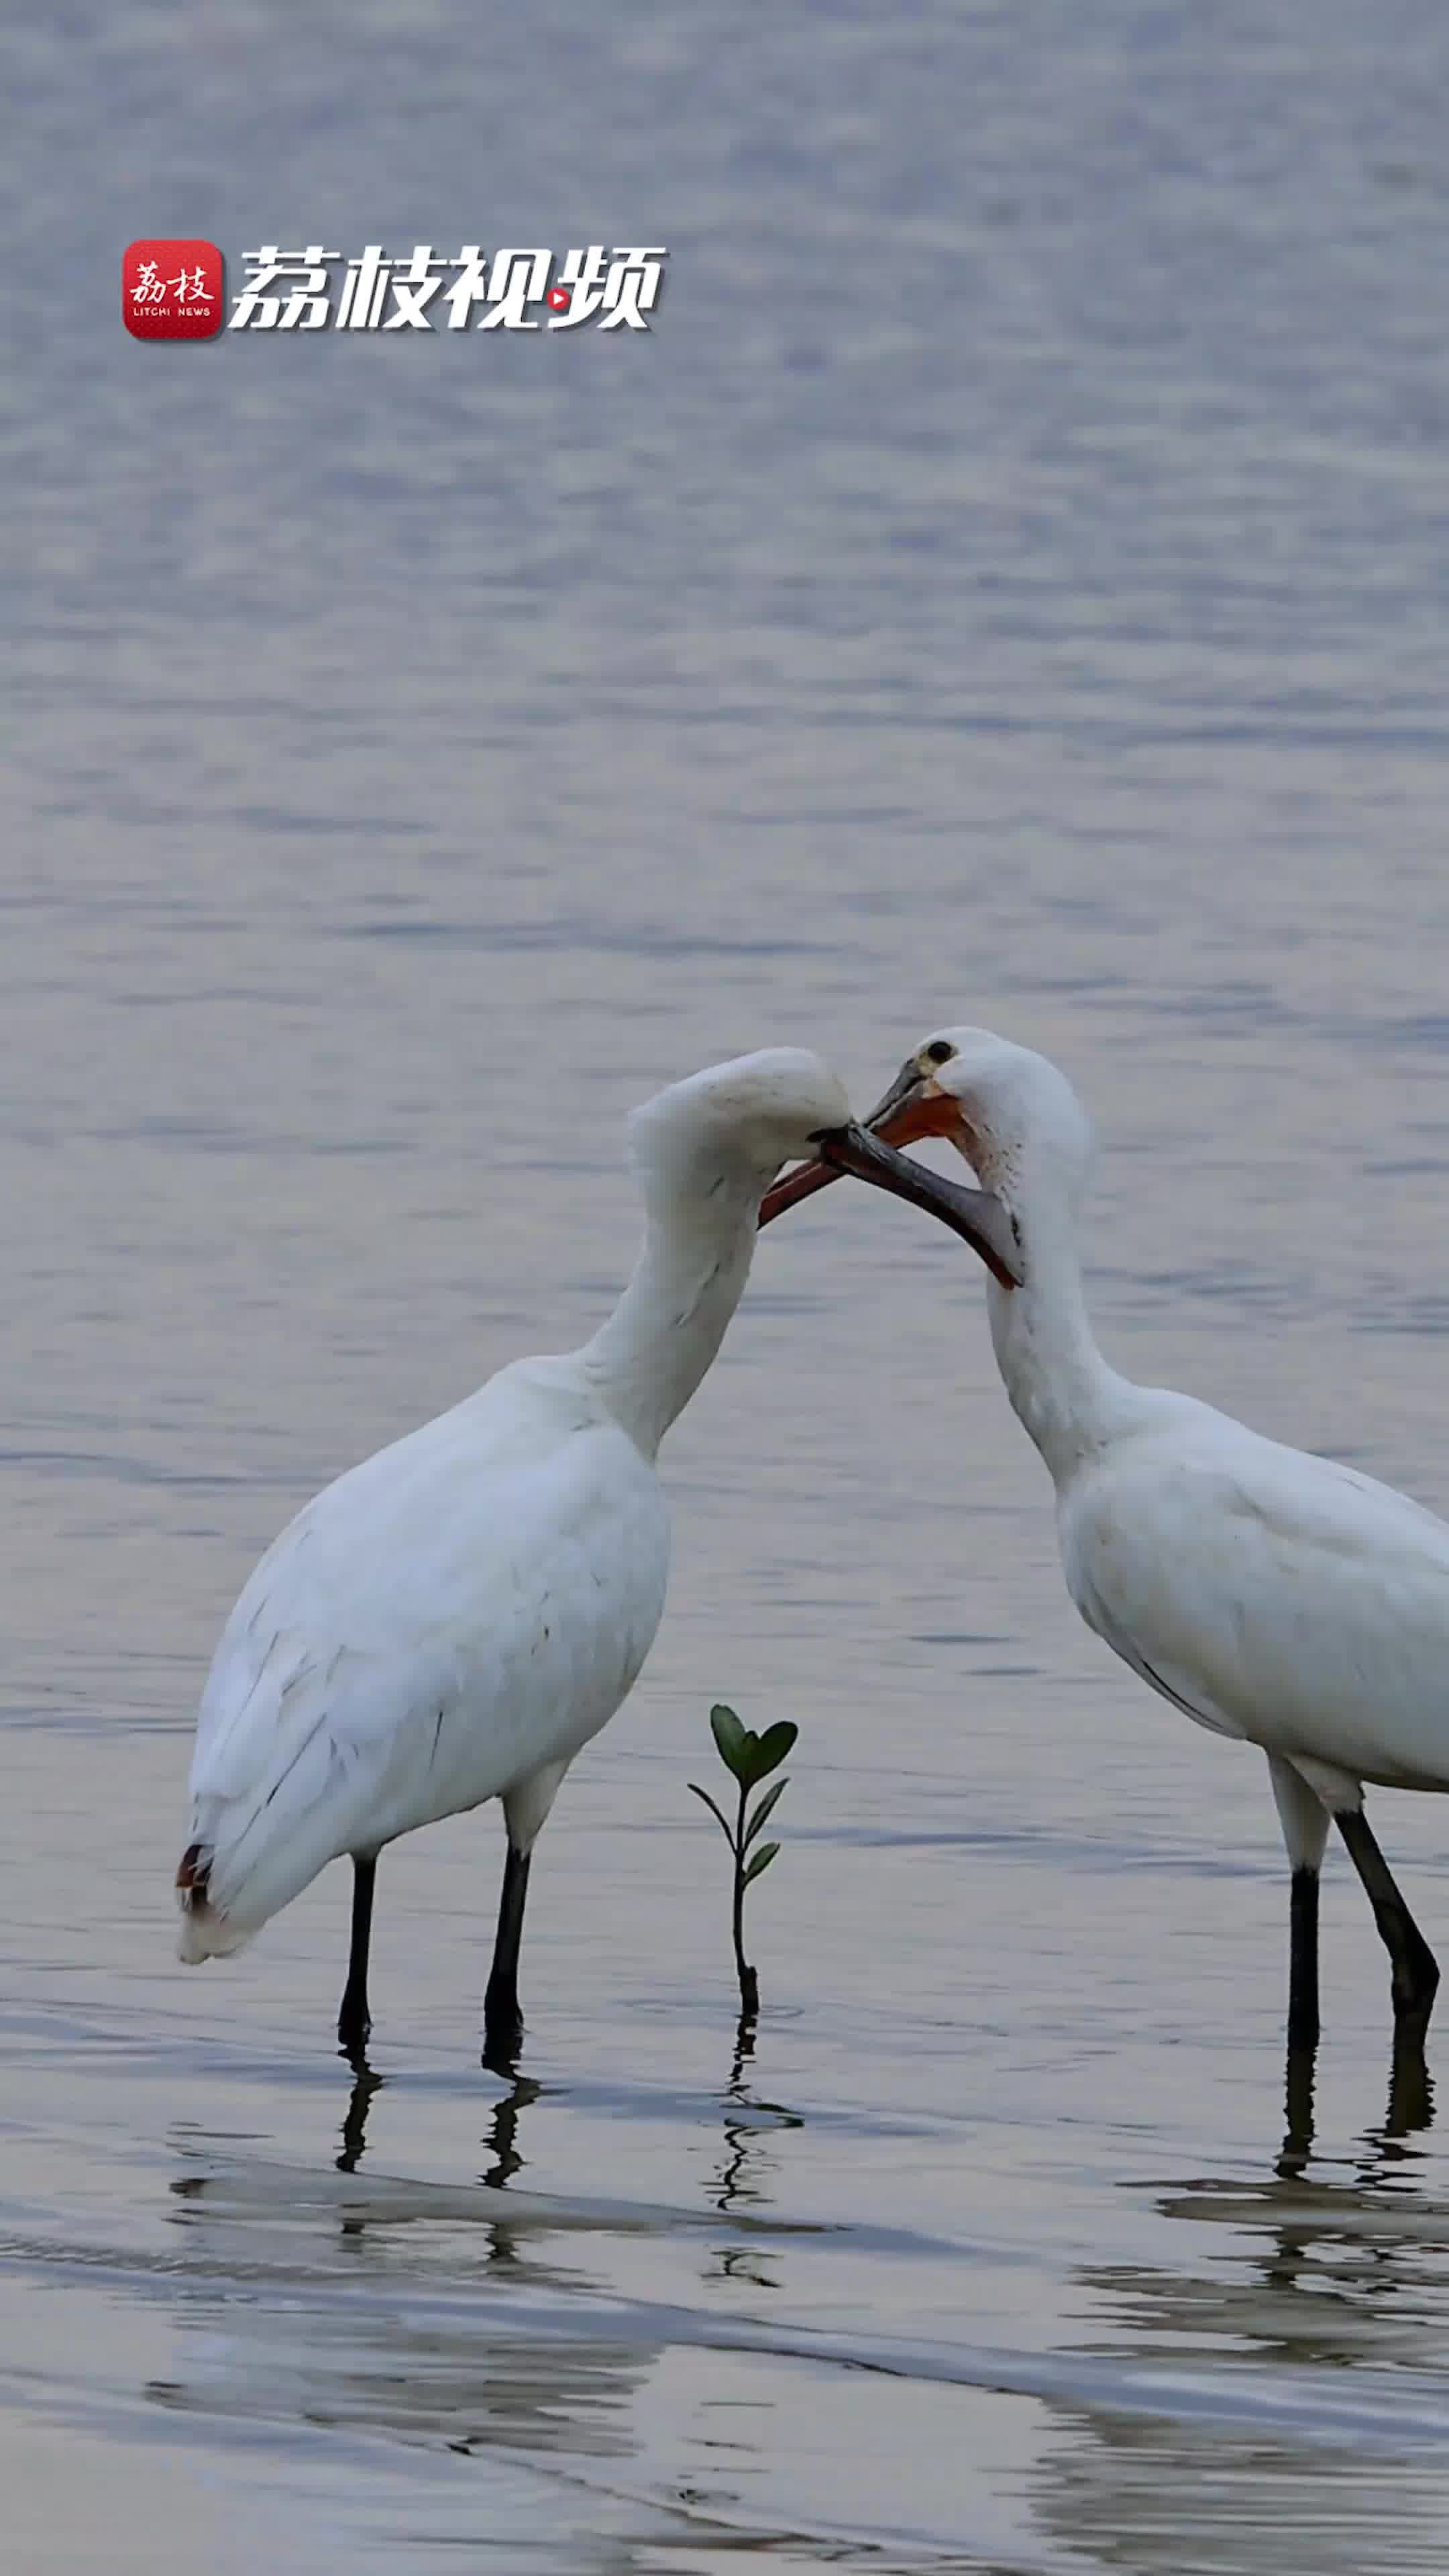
x,y
749,1982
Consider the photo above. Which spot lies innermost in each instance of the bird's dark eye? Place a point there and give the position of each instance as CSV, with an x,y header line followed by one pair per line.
x,y
940,1051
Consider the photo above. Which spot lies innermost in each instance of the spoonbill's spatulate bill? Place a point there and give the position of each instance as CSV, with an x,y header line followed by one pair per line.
x,y
1272,1596
453,1619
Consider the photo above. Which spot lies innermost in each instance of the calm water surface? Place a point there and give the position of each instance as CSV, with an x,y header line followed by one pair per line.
x,y
1009,583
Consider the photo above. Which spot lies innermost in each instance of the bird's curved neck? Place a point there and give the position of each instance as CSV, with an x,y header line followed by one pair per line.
x,y
647,1360
1061,1389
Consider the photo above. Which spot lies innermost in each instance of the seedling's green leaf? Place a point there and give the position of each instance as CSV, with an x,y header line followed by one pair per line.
x,y
749,1758
725,1827
769,1750
765,1808
730,1737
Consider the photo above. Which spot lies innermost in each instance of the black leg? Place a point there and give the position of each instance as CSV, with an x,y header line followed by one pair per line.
x,y
1303,1962
354,2021
1297,2144
1302,2019
502,2019
1414,1972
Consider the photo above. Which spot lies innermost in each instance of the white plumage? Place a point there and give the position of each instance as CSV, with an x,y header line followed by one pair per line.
x,y
1272,1596
1275,1596
449,1622
455,1618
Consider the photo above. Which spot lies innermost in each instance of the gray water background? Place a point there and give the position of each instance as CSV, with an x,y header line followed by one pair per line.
x,y
1009,583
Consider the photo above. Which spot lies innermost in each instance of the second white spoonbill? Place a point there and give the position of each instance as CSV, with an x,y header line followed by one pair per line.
x,y
1272,1596
453,1620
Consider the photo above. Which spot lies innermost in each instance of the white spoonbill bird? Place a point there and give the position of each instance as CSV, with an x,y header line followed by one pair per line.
x,y
1275,1597
452,1620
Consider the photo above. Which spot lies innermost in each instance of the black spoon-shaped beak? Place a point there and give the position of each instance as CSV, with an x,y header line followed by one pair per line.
x,y
976,1215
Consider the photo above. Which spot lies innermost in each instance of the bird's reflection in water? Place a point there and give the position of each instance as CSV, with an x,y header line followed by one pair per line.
x,y
741,2176
1311,2221
1320,2291
1411,2100
403,2337
1357,2244
501,2145
365,2082
501,2138
1410,2108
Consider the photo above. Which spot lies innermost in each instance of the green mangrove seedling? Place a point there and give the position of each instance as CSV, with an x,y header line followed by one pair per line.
x,y
749,1759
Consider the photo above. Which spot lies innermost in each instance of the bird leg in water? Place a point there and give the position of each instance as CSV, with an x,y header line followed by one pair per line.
x,y
354,2020
1414,1969
1304,1819
1297,2144
502,2018
1302,2019
1303,1963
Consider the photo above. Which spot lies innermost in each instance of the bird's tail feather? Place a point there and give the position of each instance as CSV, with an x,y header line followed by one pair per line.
x,y
204,1933
247,1857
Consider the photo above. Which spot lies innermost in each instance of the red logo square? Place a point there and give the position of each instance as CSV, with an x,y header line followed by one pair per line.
x,y
173,290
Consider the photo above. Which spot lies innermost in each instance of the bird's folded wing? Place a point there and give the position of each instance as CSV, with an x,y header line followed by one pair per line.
x,y
395,1600
1272,1595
